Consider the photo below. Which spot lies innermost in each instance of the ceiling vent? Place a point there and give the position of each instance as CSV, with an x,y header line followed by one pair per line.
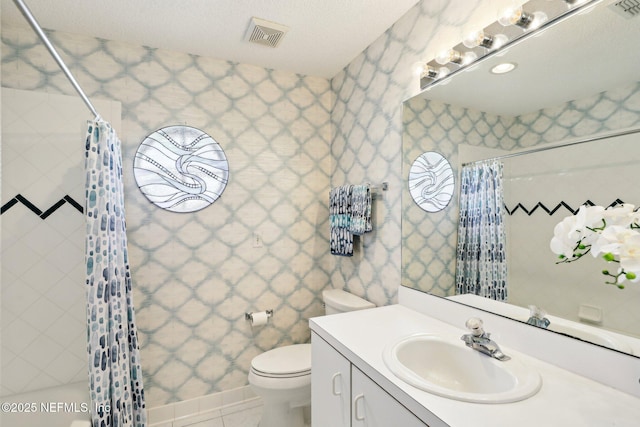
x,y
266,33
626,8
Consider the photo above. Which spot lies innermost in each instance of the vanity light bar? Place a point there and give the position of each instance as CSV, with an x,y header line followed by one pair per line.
x,y
514,25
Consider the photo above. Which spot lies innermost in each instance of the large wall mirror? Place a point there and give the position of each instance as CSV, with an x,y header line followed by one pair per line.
x,y
576,84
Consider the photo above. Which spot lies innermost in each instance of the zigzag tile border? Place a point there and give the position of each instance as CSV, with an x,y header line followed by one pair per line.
x,y
540,205
19,198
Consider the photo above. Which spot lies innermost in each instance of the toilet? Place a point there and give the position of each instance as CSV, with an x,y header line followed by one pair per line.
x,y
282,376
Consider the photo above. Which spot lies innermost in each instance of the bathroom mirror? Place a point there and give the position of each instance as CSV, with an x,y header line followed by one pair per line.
x,y
575,81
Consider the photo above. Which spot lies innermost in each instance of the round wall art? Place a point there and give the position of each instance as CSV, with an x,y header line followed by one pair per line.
x,y
431,181
181,169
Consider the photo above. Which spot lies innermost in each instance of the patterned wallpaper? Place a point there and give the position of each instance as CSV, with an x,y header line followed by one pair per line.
x,y
367,118
428,257
195,275
288,138
429,239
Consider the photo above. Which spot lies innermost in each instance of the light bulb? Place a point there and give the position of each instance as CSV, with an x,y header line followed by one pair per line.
x,y
447,56
479,38
515,16
473,39
539,18
468,58
510,16
418,69
443,72
429,72
499,40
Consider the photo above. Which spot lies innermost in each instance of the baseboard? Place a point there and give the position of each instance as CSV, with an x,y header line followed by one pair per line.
x,y
211,406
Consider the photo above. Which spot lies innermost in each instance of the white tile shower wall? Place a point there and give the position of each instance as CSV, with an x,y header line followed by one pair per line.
x,y
195,275
43,338
600,172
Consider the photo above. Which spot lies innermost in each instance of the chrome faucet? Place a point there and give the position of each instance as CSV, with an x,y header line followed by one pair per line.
x,y
479,340
537,317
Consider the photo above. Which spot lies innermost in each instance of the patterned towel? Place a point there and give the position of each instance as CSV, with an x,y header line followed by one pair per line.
x,y
360,210
341,239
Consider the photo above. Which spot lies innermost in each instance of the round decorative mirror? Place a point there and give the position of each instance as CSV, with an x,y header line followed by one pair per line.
x,y
431,181
181,169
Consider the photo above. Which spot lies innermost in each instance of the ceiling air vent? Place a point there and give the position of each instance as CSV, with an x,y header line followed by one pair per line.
x,y
626,8
266,33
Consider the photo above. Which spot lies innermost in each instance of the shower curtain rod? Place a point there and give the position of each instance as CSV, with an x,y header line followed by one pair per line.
x,y
52,50
568,144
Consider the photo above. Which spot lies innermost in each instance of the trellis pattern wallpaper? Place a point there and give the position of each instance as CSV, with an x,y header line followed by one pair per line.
x,y
367,146
195,275
288,139
429,240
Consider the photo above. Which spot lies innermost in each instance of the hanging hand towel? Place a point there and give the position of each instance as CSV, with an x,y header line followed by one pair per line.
x,y
341,239
360,209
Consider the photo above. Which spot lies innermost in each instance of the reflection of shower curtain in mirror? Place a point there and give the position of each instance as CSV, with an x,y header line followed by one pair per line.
x,y
481,265
115,375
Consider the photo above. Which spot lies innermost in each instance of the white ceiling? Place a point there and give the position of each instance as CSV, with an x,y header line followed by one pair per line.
x,y
324,35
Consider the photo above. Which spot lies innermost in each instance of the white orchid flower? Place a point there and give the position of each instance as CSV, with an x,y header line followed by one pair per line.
x,y
564,237
630,255
622,215
611,240
613,234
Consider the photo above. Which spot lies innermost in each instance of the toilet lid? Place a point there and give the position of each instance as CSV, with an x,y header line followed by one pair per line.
x,y
290,359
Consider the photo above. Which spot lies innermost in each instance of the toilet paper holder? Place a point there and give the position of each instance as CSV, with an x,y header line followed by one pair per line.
x,y
249,315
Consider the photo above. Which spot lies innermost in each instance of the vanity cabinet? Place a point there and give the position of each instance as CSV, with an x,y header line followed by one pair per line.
x,y
343,396
374,407
330,386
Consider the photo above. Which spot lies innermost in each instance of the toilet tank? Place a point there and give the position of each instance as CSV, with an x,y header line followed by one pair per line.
x,y
339,301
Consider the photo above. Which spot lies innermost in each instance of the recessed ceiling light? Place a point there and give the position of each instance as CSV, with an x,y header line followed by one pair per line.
x,y
505,67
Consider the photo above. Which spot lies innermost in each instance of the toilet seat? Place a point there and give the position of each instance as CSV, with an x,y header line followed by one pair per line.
x,y
283,362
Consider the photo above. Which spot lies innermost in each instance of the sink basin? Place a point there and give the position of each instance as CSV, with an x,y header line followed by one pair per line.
x,y
447,367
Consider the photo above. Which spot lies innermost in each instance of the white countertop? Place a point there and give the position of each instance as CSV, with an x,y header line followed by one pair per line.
x,y
565,399
608,338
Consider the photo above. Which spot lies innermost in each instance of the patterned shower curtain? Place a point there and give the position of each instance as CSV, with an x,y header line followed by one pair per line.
x,y
115,375
481,265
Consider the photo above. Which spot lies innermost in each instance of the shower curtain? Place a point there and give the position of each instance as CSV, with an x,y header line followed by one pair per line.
x,y
115,375
481,266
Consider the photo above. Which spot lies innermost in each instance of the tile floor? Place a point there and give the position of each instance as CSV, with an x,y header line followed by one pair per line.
x,y
245,414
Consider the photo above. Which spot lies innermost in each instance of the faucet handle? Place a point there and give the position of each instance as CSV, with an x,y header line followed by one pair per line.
x,y
474,324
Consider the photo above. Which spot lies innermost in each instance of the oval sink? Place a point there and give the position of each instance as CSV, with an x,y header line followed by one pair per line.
x,y
447,367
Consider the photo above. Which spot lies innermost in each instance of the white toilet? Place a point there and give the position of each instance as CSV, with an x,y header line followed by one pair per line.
x,y
282,376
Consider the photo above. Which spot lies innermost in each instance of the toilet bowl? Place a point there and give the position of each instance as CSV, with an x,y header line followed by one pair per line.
x,y
282,376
